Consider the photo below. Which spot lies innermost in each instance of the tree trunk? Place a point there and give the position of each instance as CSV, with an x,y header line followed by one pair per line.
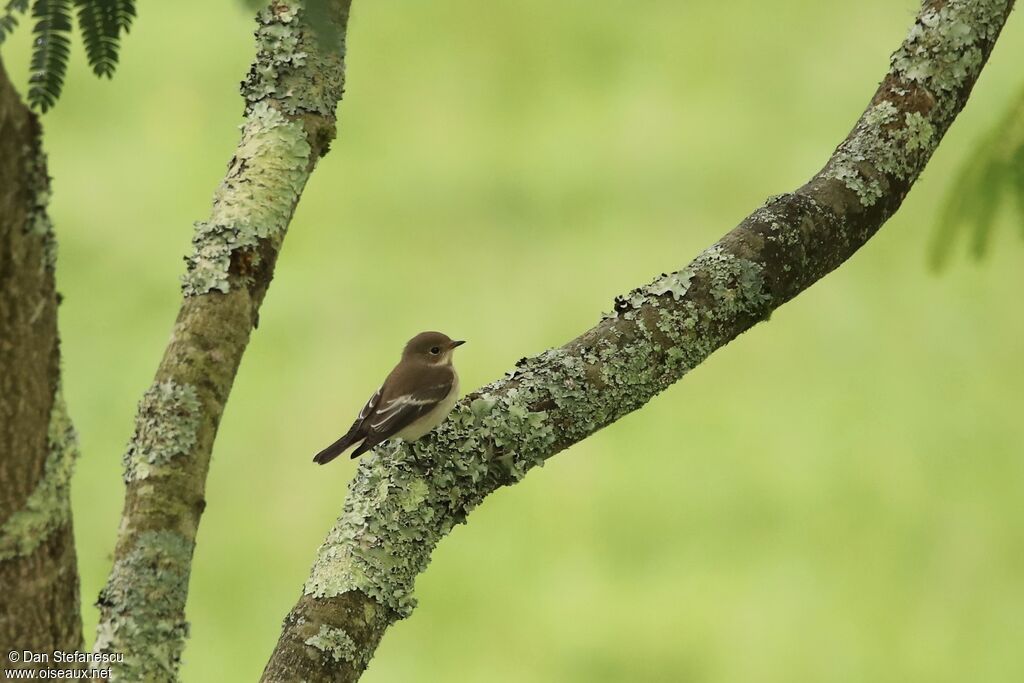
x,y
39,605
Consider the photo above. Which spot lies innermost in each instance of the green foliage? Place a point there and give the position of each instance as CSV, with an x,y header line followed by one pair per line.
x,y
51,46
992,172
9,18
101,23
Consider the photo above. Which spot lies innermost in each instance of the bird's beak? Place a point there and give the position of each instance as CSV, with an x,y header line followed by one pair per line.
x,y
459,342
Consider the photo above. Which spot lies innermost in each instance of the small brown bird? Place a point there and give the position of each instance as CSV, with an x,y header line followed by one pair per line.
x,y
416,397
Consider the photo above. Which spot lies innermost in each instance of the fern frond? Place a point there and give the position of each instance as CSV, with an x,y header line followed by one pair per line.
x,y
51,45
97,19
124,14
9,18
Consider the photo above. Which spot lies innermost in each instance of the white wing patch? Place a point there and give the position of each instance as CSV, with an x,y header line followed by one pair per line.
x,y
394,408
368,408
406,400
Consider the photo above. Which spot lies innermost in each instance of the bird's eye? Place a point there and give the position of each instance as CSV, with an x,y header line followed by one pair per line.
x,y
436,350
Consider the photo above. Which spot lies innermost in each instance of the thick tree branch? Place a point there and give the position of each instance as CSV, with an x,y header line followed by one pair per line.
x,y
291,93
39,606
406,497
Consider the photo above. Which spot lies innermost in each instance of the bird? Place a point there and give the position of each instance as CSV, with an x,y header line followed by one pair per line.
x,y
415,397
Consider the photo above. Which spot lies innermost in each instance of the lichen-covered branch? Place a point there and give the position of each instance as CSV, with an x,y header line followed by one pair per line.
x,y
291,92
406,497
39,605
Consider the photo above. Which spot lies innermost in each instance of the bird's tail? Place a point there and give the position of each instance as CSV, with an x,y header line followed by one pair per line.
x,y
337,448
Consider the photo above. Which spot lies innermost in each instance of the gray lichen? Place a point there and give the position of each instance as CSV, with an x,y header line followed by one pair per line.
x,y
48,507
732,287
854,163
883,146
143,599
254,201
944,49
292,66
292,77
336,643
676,284
166,426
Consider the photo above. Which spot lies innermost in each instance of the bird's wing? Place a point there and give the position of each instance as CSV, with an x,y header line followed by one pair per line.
x,y
369,407
393,413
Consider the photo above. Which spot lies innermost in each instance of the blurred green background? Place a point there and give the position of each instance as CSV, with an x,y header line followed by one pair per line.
x,y
836,496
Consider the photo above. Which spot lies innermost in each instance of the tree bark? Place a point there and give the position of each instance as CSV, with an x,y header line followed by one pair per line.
x,y
293,87
39,604
406,497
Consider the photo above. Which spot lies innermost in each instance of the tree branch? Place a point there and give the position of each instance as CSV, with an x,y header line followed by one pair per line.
x,y
291,93
39,605
406,497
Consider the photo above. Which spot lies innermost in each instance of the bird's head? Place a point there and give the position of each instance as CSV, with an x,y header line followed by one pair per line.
x,y
432,348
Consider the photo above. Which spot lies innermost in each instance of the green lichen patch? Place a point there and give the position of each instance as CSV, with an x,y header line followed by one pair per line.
x,y
254,201
166,426
883,146
727,288
142,603
48,507
852,164
946,46
944,50
735,284
294,66
917,133
336,643
675,284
